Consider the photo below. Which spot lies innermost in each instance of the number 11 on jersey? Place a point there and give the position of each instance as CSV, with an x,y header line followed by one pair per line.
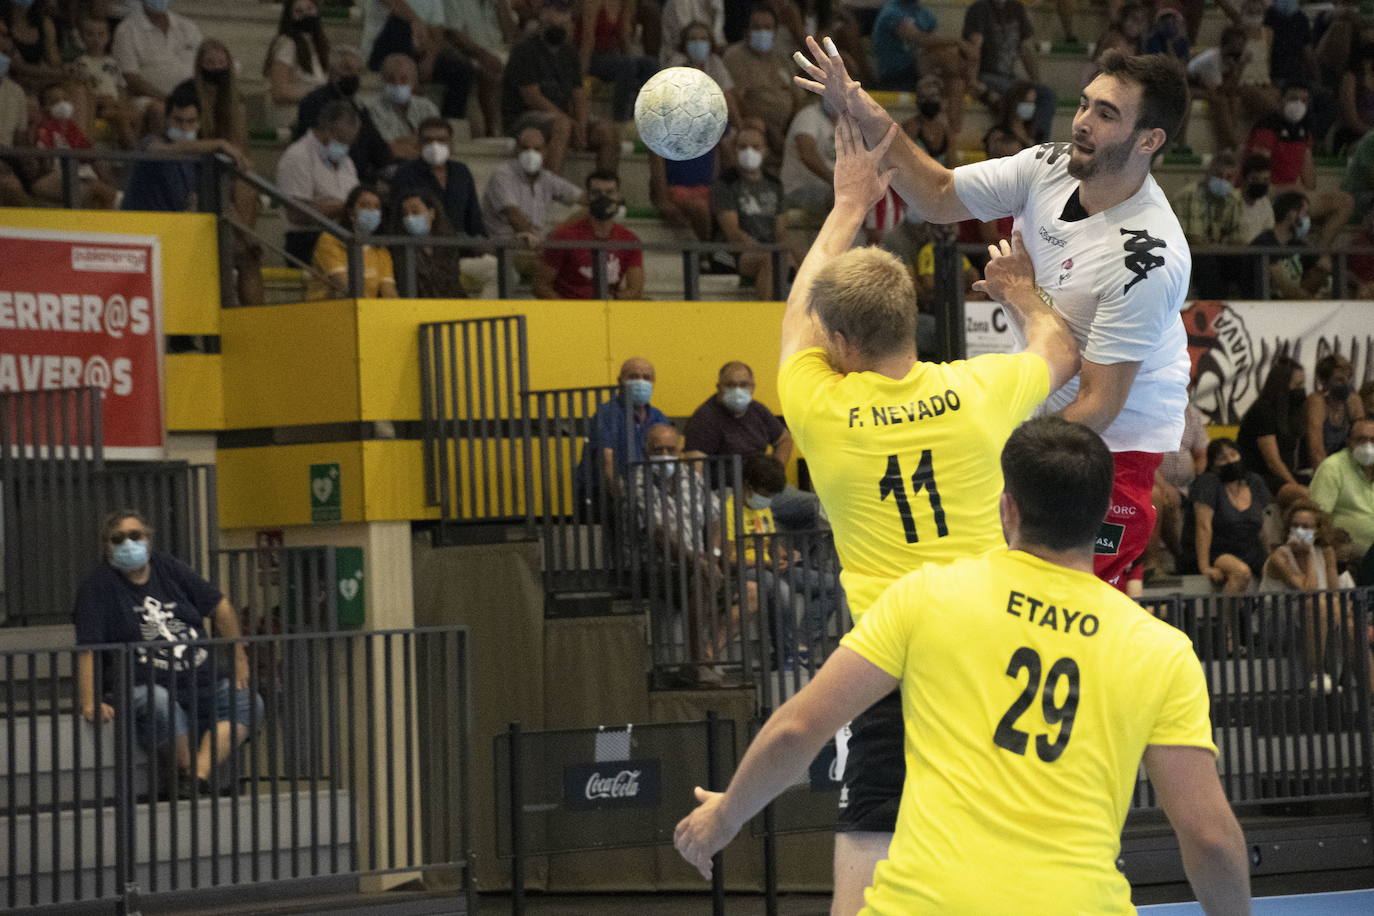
x,y
893,484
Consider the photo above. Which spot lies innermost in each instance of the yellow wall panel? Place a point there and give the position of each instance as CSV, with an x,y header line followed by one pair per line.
x,y
394,481
287,365
194,391
270,486
190,256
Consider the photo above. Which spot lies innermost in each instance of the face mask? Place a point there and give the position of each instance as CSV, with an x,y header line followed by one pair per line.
x,y
1232,473
750,159
761,40
348,85
639,390
1255,190
156,6
1303,227
1363,454
435,153
663,465
336,151
4,65
698,49
736,399
177,135
555,35
1219,187
216,77
1304,537
929,109
1025,110
1294,111
62,111
602,207
759,503
396,94
531,160
1296,398
416,223
367,219
129,555
1338,392
305,24
1285,6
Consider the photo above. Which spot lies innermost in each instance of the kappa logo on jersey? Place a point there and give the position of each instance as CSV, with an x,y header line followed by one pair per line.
x,y
1139,261
1051,152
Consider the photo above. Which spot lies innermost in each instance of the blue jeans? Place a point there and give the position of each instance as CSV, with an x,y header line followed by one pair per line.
x,y
158,719
822,594
796,510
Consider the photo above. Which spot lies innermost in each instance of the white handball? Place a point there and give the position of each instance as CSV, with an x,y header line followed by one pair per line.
x,y
681,113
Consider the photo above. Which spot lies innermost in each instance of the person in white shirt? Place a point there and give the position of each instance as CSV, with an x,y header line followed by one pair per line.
x,y
156,49
316,170
808,161
399,111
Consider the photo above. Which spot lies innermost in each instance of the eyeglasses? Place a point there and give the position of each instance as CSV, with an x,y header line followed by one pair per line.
x,y
119,536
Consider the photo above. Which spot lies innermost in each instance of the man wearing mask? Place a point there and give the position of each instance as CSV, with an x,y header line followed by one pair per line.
x,y
316,170
170,186
369,152
568,273
616,434
1209,212
156,49
1344,486
1288,277
542,87
763,79
1256,209
749,212
448,180
399,111
519,197
1286,137
1001,34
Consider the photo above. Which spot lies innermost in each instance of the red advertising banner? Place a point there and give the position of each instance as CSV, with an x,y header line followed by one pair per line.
x,y
85,309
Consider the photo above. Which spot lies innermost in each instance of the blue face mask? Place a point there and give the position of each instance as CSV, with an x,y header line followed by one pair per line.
x,y
759,503
129,555
1303,227
4,65
1219,187
178,135
736,399
397,94
336,151
367,219
698,49
639,391
416,223
156,6
761,40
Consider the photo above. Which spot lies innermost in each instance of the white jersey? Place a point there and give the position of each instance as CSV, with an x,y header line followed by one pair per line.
x,y
1119,278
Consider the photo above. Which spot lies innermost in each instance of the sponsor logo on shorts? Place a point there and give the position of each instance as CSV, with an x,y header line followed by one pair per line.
x,y
1109,538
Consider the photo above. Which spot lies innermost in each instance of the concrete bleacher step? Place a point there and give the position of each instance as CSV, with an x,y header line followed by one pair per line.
x,y
58,760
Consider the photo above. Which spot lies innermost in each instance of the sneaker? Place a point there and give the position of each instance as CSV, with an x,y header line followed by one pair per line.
x,y
1323,681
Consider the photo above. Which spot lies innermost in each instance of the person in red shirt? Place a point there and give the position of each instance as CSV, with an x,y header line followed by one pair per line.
x,y
58,130
567,273
1285,137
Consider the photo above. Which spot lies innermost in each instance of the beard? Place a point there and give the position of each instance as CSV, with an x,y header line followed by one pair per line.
x,y
1105,160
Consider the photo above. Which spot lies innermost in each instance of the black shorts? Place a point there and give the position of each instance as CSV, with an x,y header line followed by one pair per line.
x,y
874,770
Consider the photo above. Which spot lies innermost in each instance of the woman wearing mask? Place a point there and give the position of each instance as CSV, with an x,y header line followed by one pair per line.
x,y
1228,512
605,31
1015,113
930,125
437,270
1271,429
1306,562
36,61
295,64
1330,409
362,213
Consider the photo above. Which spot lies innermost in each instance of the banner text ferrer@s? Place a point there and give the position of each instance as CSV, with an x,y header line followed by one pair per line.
x,y
84,310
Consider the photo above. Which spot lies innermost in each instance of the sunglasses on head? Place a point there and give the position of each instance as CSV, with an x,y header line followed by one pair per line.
x,y
119,536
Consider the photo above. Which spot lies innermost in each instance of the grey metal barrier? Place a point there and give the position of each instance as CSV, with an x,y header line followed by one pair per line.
x,y
611,787
100,811
281,589
473,373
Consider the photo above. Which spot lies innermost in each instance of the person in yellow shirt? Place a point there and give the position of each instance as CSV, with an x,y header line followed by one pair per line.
x,y
1032,693
362,213
902,453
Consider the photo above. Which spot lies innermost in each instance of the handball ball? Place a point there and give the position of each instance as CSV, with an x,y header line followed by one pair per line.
x,y
681,113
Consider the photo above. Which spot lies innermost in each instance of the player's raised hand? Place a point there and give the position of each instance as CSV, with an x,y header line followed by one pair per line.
x,y
857,179
704,832
828,77
1009,270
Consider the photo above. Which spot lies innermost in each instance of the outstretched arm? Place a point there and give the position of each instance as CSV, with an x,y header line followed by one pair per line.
x,y
923,183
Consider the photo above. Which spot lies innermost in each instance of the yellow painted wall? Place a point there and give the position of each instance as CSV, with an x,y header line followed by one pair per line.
x,y
194,391
190,256
393,481
270,486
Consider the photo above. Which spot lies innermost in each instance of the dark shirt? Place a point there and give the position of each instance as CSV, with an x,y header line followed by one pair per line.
x,y
1288,64
369,152
611,428
1233,531
714,430
164,187
758,204
1003,29
460,200
1263,419
171,606
556,71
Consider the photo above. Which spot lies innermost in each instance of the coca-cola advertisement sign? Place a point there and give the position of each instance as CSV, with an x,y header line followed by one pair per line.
x,y
611,784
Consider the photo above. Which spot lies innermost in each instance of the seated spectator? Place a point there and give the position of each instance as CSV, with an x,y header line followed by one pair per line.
x,y
731,422
295,65
57,129
317,171
1209,212
1001,34
568,273
518,200
138,596
362,214
105,82
438,271
1228,512
680,15
1125,32
156,49
605,32
1357,102
616,438
1176,472
443,178
1305,561
698,48
399,111
542,87
1286,138
481,31
1294,277
681,191
1014,113
930,127
907,47
1292,58
906,240
925,265
369,152
1256,210
1358,181
749,212
1169,35
808,161
1331,409
1338,32
14,128
433,35
170,186
34,28
1343,486
1271,429
1215,74
763,77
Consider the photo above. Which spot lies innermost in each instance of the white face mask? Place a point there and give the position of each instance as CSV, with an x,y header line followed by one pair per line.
x,y
750,158
1363,454
531,160
1303,537
435,153
1294,111
1025,110
62,111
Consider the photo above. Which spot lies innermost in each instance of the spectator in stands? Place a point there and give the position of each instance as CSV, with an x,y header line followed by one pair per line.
x,y
1228,512
1344,486
434,35
906,47
542,87
680,15
1306,560
399,111
1209,211
1287,139
369,152
518,199
105,82
171,187
438,271
1331,409
1001,34
443,178
1271,429
1014,113
14,123
762,477
156,49
763,77
731,422
1292,277
1256,210
616,437
681,191
568,273
1215,75
749,212
1293,59
137,596
295,64
36,59
362,214
482,30
808,161
1339,33
1170,35
851,40
1257,94
698,48
930,127
57,129
1356,100
317,171
1125,32
1174,476
605,34
997,142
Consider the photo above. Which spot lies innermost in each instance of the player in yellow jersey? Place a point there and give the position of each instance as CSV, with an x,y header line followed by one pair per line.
x,y
1032,692
902,453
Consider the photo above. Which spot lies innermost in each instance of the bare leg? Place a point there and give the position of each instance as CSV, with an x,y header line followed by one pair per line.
x,y
560,135
856,855
216,746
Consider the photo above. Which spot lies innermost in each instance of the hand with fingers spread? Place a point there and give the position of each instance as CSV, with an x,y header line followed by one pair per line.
x,y
704,832
1009,271
827,77
858,180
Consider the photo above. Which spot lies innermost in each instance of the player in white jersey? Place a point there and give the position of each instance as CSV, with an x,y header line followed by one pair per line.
x,y
1106,250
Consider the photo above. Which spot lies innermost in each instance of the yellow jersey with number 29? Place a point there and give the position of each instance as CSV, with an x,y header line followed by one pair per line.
x,y
909,470
1029,693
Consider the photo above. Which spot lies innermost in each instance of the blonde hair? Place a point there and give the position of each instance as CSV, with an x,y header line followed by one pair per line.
x,y
866,294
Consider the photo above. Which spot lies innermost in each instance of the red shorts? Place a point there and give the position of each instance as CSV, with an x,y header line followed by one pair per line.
x,y
1130,518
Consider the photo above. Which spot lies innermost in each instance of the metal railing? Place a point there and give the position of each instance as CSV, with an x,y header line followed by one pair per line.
x,y
281,589
378,785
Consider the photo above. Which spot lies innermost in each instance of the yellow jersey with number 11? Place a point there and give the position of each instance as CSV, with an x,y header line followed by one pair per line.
x,y
909,470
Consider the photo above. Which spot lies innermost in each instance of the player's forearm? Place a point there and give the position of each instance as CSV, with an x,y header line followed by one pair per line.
x,y
1091,412
1046,333
777,758
1219,870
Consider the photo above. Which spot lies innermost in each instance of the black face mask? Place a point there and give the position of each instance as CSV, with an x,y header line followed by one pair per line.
x,y
1255,190
602,207
555,35
1296,398
308,24
348,85
1232,473
929,109
215,77
1338,392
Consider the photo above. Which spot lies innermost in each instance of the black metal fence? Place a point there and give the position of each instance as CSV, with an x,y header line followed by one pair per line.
x,y
281,589
102,812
